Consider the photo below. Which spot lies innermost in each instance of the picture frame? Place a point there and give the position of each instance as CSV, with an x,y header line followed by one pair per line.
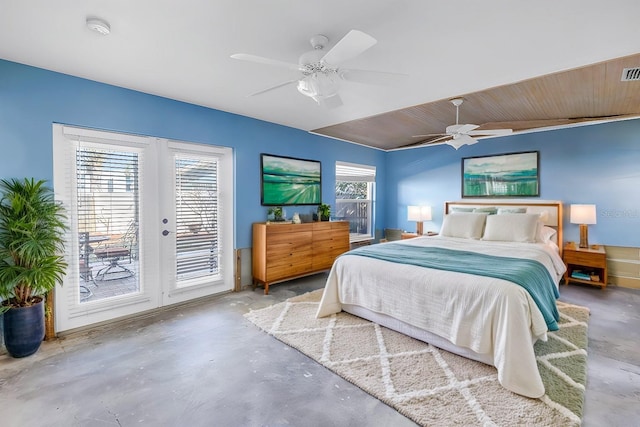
x,y
286,181
501,175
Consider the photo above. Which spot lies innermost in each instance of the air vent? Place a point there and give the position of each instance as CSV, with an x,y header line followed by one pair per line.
x,y
631,74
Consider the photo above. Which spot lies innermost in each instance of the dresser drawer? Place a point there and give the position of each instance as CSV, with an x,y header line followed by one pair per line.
x,y
275,259
291,269
286,248
298,237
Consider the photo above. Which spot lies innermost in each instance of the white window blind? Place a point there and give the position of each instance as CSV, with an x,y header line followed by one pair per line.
x,y
107,189
354,172
197,210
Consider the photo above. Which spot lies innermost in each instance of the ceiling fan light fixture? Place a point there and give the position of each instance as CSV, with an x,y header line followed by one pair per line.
x,y
459,140
455,143
319,85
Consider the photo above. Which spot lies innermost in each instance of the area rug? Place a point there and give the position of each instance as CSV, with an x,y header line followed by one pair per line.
x,y
428,385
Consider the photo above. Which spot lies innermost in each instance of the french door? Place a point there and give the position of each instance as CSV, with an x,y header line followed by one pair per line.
x,y
150,223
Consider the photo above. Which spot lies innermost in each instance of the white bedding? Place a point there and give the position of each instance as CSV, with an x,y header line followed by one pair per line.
x,y
490,316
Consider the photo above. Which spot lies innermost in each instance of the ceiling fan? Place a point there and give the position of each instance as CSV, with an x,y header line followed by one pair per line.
x,y
320,72
460,134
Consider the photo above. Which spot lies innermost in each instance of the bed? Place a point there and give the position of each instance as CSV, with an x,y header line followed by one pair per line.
x,y
446,289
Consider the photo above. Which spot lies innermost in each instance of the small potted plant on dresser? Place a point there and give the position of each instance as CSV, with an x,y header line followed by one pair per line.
x,y
275,214
32,232
324,212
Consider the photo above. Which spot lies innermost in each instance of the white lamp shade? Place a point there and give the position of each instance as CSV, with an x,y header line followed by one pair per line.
x,y
419,213
583,214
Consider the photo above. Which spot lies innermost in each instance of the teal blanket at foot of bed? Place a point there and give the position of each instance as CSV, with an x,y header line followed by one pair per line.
x,y
530,274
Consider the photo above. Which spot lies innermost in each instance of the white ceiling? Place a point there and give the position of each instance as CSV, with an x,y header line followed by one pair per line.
x,y
181,49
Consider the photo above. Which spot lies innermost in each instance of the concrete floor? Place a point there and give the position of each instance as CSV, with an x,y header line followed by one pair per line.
x,y
205,365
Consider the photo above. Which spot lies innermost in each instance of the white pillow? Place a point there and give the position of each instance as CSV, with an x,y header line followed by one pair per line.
x,y
511,227
544,233
462,224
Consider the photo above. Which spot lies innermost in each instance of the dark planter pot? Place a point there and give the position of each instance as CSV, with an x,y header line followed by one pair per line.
x,y
24,329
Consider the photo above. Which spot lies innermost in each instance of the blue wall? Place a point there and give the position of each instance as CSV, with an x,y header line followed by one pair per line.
x,y
597,164
32,99
592,164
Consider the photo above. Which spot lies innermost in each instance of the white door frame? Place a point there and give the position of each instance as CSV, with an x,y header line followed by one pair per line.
x,y
155,287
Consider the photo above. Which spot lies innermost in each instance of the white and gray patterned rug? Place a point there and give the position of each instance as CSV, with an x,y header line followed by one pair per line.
x,y
429,385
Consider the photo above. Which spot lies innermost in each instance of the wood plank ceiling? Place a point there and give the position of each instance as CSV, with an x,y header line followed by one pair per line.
x,y
585,94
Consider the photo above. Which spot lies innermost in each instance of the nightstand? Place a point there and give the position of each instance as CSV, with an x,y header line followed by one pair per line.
x,y
406,235
585,265
409,235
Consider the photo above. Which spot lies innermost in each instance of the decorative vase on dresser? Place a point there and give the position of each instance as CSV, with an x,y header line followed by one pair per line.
x,y
286,251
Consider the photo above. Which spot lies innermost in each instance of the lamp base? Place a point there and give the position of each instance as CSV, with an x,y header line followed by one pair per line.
x,y
584,236
419,229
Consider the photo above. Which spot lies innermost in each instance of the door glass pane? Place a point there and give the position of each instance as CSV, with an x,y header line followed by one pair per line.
x,y
108,218
197,206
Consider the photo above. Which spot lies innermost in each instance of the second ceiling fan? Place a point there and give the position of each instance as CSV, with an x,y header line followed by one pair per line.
x,y
320,70
459,134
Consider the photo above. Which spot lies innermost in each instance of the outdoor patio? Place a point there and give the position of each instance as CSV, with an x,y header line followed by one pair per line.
x,y
113,270
95,286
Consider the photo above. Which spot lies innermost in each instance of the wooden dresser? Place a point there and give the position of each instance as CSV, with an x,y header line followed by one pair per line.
x,y
286,251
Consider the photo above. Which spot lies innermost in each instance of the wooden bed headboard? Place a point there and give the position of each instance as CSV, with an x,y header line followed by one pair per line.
x,y
549,210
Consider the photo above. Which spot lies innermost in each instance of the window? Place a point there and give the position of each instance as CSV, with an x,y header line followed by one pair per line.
x,y
354,198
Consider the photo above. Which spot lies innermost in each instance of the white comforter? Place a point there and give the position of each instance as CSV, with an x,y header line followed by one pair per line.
x,y
487,315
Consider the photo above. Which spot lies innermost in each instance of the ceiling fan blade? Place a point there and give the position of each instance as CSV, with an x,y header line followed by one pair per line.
x,y
372,77
273,87
440,138
430,134
490,132
522,125
333,101
350,46
263,60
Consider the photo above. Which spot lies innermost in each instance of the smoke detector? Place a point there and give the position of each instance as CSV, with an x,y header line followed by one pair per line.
x,y
99,26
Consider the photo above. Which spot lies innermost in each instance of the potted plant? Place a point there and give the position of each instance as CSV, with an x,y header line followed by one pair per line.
x,y
31,263
276,212
324,212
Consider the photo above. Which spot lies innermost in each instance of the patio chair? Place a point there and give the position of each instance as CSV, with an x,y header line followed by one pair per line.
x,y
84,268
114,255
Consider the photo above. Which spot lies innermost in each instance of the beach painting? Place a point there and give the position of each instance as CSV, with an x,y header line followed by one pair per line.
x,y
290,181
503,175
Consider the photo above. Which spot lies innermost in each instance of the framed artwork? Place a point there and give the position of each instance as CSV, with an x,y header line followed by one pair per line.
x,y
502,175
289,181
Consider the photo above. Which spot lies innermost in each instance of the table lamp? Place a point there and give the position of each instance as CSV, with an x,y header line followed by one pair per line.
x,y
583,215
419,214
